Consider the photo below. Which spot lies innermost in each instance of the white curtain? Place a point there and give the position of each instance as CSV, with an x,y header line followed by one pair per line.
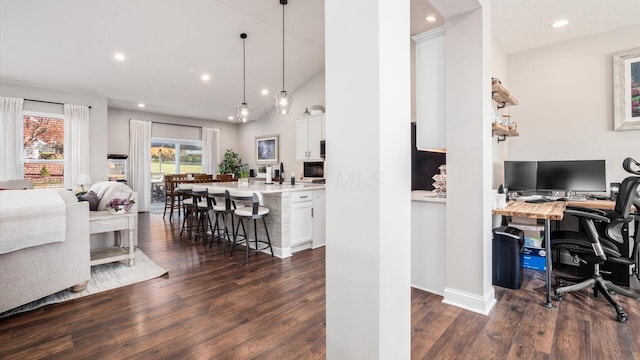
x,y
11,138
140,161
210,150
76,144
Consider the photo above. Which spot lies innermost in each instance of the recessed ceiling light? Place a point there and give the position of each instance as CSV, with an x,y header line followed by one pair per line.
x,y
205,77
231,118
119,56
264,92
560,23
430,18
141,105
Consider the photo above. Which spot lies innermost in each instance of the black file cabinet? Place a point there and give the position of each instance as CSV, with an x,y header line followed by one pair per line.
x,y
507,260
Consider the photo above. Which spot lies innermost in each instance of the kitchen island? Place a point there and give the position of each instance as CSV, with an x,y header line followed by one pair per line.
x,y
296,219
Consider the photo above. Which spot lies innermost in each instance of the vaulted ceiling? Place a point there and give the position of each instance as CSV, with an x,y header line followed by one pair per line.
x,y
168,45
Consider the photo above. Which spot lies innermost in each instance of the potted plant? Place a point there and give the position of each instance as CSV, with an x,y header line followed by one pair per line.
x,y
231,164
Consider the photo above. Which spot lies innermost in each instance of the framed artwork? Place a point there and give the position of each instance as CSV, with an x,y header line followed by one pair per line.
x,y
267,149
626,90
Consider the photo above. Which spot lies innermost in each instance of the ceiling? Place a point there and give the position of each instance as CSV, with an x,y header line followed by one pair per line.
x,y
169,44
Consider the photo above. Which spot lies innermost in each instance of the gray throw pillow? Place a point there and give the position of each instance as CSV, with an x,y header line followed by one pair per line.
x,y
92,198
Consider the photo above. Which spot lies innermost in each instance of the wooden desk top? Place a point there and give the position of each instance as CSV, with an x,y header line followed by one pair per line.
x,y
553,210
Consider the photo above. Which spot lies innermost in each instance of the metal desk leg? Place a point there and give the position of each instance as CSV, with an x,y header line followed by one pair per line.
x,y
547,245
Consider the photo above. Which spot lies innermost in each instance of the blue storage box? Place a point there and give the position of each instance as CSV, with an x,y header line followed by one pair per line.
x,y
533,258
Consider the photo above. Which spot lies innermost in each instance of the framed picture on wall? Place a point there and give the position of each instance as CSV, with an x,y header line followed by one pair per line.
x,y
267,149
626,89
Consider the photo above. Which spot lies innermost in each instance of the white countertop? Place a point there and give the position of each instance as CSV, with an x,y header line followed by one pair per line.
x,y
427,196
260,186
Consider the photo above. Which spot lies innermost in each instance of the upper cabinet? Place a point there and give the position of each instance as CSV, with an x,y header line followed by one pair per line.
x,y
430,90
309,133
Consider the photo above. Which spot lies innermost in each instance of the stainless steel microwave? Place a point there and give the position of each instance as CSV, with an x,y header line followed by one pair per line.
x,y
313,169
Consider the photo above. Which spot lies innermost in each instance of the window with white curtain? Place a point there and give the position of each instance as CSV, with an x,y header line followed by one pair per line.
x,y
43,149
170,156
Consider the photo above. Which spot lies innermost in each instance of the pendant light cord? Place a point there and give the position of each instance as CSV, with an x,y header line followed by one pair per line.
x,y
283,3
244,72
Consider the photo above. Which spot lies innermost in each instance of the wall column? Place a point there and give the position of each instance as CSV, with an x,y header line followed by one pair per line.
x,y
469,153
368,179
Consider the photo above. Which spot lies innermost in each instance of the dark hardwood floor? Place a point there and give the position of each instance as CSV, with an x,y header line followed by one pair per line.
x,y
213,307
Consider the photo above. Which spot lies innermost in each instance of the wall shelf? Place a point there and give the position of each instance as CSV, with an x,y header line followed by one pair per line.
x,y
501,95
503,131
503,98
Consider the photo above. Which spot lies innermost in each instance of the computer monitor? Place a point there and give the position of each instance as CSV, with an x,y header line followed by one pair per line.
x,y
520,175
572,175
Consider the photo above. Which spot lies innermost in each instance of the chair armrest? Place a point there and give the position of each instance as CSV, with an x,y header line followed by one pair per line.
x,y
588,210
588,215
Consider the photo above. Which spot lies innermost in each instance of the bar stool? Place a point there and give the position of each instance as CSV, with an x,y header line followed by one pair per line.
x,y
203,204
253,212
222,206
189,205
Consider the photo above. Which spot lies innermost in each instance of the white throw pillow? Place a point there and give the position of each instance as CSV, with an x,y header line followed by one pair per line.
x,y
114,190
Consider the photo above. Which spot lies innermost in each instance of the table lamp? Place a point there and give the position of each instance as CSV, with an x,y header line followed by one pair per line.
x,y
84,180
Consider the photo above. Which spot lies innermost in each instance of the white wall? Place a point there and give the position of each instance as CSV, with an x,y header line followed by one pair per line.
x,y
308,94
566,102
97,116
118,132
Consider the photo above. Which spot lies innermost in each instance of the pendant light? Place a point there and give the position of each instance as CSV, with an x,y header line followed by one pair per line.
x,y
243,110
283,100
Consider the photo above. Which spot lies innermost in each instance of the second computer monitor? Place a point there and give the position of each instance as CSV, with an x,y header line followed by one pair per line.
x,y
573,175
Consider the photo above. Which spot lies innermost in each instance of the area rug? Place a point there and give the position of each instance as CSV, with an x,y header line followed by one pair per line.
x,y
103,277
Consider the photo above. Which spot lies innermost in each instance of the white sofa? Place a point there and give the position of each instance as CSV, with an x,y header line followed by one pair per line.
x,y
34,272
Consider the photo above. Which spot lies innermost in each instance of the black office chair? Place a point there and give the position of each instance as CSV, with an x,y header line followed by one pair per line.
x,y
604,238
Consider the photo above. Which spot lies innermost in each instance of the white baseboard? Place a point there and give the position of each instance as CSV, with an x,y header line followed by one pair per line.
x,y
300,247
433,291
281,253
468,301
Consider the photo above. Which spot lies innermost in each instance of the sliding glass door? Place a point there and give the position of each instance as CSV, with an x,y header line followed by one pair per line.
x,y
175,156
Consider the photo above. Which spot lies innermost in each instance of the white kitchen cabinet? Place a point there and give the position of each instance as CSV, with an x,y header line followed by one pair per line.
x,y
430,90
428,245
301,218
309,132
318,222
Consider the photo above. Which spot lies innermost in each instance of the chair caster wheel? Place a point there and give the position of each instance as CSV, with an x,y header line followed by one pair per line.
x,y
622,317
559,297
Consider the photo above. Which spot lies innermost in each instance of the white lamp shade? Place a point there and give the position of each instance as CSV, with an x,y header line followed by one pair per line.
x,y
84,179
243,111
283,102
